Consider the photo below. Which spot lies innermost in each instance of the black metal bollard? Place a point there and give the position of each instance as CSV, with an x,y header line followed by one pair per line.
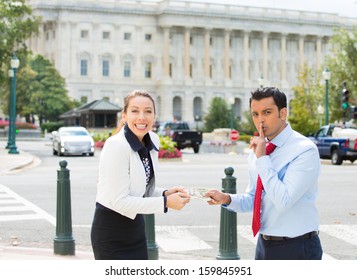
x,y
63,242
228,225
153,249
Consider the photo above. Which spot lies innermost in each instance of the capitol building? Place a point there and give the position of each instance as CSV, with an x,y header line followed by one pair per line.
x,y
183,52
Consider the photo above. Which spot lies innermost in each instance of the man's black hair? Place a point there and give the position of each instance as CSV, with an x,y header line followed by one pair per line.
x,y
278,96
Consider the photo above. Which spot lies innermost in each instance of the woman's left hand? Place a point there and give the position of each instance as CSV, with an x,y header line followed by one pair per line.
x,y
175,190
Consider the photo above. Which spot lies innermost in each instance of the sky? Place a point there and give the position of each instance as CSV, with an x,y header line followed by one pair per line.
x,y
347,8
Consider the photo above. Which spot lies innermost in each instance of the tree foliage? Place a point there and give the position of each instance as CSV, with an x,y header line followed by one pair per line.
x,y
308,96
50,98
247,126
41,91
343,66
16,25
219,115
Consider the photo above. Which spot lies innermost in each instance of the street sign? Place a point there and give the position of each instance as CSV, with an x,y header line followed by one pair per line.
x,y
234,135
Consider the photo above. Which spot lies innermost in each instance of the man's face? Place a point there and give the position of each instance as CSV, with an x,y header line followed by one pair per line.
x,y
265,111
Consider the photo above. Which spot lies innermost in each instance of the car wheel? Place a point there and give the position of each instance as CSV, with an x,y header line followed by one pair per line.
x,y
54,152
336,158
91,154
59,151
196,149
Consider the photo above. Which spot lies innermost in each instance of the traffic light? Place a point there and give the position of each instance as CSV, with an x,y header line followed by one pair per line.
x,y
345,98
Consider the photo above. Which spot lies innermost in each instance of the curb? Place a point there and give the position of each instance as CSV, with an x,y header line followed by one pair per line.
x,y
28,253
19,161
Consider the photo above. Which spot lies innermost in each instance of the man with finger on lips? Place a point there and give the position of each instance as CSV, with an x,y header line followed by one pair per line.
x,y
283,183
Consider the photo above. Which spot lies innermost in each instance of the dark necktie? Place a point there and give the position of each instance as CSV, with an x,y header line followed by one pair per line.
x,y
258,195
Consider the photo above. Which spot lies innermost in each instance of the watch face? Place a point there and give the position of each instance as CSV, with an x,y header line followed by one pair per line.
x,y
197,193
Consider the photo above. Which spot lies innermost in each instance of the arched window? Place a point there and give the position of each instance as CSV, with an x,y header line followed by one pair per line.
x,y
197,108
177,108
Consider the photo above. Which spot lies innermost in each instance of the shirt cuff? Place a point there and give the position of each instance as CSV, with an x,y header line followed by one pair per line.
x,y
226,205
165,202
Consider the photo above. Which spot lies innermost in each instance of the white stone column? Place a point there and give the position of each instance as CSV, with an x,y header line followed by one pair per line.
x,y
246,56
187,53
318,52
166,52
40,40
265,55
96,69
188,107
207,59
301,51
166,104
283,59
63,37
75,62
226,54
119,62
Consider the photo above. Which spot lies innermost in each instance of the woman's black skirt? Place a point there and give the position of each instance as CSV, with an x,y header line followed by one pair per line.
x,y
116,237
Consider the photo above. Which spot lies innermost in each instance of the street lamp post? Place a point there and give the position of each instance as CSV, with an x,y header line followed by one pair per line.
x,y
231,102
261,81
12,127
327,75
9,139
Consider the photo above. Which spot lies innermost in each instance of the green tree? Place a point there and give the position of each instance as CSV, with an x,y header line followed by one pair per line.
x,y
248,126
308,95
16,25
218,115
343,66
27,85
50,98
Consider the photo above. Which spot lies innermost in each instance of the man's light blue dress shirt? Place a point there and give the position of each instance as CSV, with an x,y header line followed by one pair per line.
x,y
290,179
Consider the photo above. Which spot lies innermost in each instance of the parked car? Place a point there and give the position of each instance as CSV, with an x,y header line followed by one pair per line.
x,y
181,134
336,143
74,140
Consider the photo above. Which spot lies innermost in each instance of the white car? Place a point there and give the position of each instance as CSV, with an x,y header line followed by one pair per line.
x,y
72,140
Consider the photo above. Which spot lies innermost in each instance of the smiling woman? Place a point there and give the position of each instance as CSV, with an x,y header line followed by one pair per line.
x,y
126,184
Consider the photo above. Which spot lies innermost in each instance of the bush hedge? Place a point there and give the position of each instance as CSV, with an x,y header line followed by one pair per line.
x,y
19,125
51,126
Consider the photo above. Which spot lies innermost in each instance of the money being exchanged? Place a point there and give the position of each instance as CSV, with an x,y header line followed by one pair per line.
x,y
197,193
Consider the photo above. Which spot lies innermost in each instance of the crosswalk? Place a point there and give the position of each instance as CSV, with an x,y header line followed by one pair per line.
x,y
15,208
171,239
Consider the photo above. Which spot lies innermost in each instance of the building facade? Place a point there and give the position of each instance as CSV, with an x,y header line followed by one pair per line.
x,y
184,53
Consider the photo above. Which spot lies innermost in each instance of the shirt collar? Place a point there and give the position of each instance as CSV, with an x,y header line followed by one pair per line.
x,y
135,143
282,137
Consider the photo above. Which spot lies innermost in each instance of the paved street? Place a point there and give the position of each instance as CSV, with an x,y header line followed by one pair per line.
x,y
28,204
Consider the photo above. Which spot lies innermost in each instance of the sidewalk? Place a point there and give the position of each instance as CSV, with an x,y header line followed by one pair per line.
x,y
11,163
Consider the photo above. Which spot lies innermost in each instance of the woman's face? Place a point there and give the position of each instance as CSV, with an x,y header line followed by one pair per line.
x,y
140,116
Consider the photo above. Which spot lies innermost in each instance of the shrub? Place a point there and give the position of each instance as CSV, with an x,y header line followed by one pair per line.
x,y
245,138
51,126
168,148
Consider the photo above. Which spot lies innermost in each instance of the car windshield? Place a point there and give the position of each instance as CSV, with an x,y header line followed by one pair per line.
x,y
73,133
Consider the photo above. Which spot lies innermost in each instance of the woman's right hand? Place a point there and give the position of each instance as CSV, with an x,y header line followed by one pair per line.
x,y
177,200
